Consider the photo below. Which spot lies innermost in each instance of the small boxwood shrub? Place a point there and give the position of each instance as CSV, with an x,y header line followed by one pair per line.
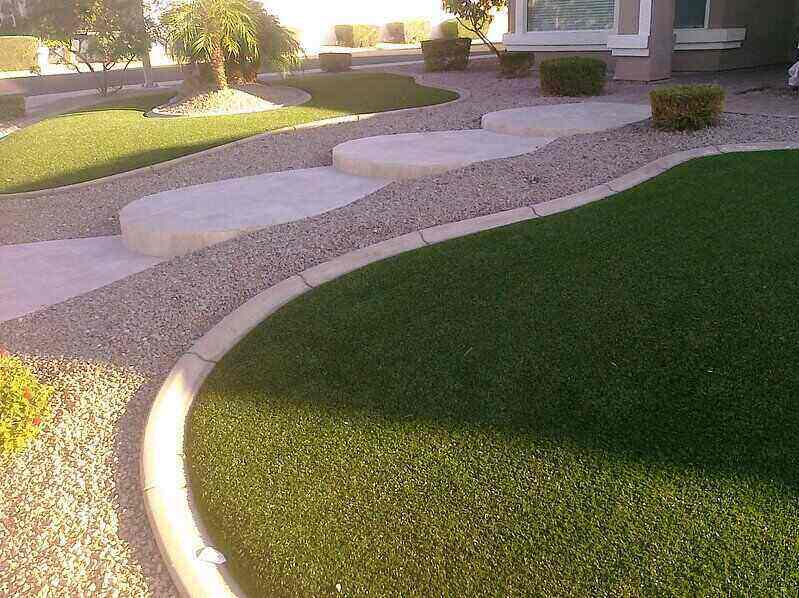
x,y
446,54
335,62
573,76
344,36
24,402
395,33
687,107
18,52
365,36
417,30
450,29
12,106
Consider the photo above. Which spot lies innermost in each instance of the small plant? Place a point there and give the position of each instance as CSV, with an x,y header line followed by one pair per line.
x,y
687,107
515,65
18,52
573,76
12,106
24,403
417,30
446,54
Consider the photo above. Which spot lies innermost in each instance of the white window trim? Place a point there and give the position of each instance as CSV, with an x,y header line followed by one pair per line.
x,y
709,39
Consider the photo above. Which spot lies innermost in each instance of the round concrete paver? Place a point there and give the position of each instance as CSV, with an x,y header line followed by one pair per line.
x,y
560,120
415,155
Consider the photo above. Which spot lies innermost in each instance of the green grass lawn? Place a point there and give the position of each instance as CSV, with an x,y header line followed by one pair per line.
x,y
600,403
116,137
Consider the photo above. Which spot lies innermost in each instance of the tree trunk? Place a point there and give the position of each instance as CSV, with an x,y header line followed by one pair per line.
x,y
148,70
218,68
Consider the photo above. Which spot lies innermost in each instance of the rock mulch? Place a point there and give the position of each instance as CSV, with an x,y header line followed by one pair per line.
x,y
71,506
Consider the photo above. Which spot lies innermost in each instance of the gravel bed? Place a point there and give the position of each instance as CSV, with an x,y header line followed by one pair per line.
x,y
143,323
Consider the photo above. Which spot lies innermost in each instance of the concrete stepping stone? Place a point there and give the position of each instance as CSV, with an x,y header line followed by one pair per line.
x,y
36,275
561,120
177,222
415,155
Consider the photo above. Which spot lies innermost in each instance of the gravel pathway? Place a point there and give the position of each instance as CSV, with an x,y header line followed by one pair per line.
x,y
71,506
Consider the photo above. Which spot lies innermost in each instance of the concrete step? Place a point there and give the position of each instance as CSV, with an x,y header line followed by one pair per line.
x,y
561,120
415,155
176,222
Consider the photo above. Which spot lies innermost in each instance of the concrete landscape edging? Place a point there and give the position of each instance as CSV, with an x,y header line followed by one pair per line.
x,y
463,94
170,507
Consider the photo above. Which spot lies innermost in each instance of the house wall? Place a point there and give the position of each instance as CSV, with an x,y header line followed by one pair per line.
x,y
769,36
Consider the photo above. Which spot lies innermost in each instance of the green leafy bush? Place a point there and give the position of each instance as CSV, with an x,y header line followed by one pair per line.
x,y
12,106
18,52
515,65
395,33
344,36
450,29
24,402
573,76
446,54
687,107
365,36
417,30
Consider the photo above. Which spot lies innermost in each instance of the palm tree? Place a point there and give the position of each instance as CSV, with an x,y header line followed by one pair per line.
x,y
210,30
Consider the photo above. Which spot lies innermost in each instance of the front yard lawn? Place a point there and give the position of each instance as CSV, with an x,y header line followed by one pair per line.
x,y
116,137
600,403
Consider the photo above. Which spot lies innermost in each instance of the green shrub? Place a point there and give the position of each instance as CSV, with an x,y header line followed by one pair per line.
x,y
18,53
417,30
365,36
450,29
573,76
12,106
687,107
446,54
395,33
515,65
344,36
24,402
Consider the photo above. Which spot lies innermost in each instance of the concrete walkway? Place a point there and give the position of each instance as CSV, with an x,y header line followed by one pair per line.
x,y
176,222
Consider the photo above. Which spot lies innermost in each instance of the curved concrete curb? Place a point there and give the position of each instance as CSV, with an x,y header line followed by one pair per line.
x,y
170,507
463,94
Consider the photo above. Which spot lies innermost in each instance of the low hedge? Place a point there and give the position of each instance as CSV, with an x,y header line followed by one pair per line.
x,y
345,36
335,62
12,106
24,403
446,54
18,53
417,30
450,29
573,76
395,33
687,107
357,36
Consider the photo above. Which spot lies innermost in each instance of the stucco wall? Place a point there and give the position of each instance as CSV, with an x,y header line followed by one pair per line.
x,y
769,36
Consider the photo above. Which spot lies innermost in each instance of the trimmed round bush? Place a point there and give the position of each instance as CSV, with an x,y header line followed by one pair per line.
x,y
573,76
12,106
344,36
450,29
687,107
24,402
446,54
515,65
417,30
18,52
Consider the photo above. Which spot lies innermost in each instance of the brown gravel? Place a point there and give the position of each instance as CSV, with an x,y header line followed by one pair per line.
x,y
109,350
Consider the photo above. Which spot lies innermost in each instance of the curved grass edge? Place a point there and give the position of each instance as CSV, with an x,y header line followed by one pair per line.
x,y
462,94
171,509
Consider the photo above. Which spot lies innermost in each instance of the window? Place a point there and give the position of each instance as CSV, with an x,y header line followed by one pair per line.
x,y
570,15
690,14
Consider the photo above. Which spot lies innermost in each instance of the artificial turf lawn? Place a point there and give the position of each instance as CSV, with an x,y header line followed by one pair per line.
x,y
116,137
600,403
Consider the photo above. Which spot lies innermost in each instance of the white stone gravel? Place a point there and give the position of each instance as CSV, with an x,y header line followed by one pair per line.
x,y
109,350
